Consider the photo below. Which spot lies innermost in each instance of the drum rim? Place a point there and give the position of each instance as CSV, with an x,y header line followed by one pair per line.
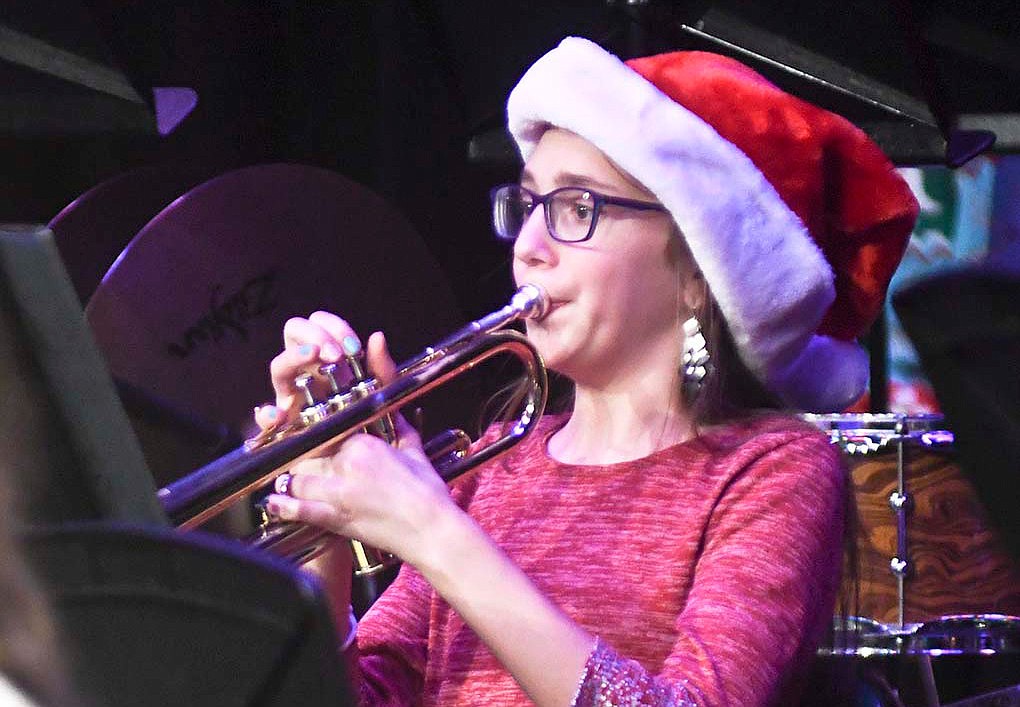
x,y
982,634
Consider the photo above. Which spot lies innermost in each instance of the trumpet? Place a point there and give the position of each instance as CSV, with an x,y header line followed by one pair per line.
x,y
366,405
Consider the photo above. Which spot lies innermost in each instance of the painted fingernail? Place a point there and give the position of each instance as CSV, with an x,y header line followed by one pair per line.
x,y
351,345
280,507
272,413
329,353
305,349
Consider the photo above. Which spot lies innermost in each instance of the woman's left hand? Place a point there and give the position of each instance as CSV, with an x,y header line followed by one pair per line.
x,y
386,496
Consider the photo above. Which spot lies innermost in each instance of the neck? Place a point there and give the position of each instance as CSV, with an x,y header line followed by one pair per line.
x,y
627,421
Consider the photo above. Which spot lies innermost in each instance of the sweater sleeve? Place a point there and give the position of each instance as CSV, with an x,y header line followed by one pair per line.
x,y
763,591
390,654
388,658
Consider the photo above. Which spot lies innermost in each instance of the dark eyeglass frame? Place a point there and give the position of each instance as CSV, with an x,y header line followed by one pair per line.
x,y
599,200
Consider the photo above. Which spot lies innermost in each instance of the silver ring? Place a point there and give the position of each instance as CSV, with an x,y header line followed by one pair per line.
x,y
282,484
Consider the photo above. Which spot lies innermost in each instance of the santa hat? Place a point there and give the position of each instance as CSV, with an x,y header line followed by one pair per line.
x,y
796,219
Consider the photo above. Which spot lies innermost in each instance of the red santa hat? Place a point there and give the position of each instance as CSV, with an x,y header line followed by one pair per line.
x,y
795,217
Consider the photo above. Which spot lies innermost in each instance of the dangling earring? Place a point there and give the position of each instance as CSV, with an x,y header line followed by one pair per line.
x,y
696,361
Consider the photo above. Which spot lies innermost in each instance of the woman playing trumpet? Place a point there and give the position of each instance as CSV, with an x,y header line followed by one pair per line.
x,y
710,247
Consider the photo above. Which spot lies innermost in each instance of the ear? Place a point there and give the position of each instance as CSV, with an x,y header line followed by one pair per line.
x,y
692,286
695,290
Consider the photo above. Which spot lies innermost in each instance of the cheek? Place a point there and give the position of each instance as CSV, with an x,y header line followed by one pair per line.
x,y
642,298
642,281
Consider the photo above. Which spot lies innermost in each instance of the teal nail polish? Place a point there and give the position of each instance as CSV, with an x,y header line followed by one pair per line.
x,y
351,345
305,349
272,413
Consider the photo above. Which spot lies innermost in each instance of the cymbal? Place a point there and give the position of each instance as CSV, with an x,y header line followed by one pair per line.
x,y
92,230
193,309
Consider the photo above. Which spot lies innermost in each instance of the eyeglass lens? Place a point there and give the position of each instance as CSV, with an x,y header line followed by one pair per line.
x,y
511,208
569,212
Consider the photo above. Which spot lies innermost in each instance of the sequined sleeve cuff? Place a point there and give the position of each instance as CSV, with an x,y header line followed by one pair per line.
x,y
611,681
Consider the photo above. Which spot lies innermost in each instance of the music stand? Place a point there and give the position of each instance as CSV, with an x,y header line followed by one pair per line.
x,y
163,619
147,616
71,451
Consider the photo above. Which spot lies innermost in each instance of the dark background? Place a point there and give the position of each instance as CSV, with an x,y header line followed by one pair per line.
x,y
407,97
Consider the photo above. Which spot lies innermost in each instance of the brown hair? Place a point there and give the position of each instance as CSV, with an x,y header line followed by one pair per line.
x,y
730,391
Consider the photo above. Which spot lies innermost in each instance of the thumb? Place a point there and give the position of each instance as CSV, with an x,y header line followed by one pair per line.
x,y
380,362
381,365
408,439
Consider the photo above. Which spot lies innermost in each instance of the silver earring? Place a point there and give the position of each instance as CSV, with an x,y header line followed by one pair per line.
x,y
696,361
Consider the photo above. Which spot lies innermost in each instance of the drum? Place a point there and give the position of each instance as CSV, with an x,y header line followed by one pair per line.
x,y
926,548
981,634
954,661
865,638
930,569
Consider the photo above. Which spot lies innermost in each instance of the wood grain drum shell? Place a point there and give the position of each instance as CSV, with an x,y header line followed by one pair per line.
x,y
956,562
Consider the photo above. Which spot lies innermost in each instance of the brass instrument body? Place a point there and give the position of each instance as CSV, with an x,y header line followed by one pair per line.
x,y
211,489
301,543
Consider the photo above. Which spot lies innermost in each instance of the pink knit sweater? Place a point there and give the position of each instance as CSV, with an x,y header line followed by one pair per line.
x,y
713,564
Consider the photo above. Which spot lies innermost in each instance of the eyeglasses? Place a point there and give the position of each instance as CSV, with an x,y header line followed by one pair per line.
x,y
571,213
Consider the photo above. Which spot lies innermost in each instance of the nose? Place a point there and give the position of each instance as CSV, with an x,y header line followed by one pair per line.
x,y
534,246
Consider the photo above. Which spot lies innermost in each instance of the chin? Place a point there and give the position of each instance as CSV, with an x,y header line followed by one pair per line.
x,y
552,355
559,346
563,362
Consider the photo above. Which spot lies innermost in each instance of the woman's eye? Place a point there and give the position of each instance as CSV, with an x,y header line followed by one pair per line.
x,y
581,207
582,210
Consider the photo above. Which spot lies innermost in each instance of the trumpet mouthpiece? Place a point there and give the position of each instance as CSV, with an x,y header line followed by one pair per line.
x,y
531,301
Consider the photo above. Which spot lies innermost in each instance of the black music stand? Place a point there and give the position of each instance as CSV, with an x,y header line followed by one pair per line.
x,y
71,451
163,619
147,616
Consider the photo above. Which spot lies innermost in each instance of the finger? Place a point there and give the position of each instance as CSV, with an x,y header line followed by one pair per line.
x,y
286,367
380,362
340,332
317,465
317,513
299,332
315,480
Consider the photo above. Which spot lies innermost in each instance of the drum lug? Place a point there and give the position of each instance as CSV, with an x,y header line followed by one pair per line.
x,y
900,502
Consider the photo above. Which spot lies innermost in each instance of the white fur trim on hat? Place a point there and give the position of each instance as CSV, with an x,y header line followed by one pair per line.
x,y
771,281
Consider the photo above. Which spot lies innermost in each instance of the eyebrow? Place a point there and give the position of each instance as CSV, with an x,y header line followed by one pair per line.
x,y
570,179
